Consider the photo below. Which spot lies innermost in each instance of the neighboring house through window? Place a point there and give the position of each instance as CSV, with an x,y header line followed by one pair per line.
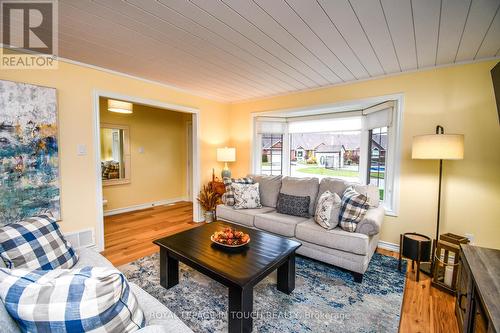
x,y
357,146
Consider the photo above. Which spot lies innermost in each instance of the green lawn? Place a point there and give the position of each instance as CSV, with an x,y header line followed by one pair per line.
x,y
334,172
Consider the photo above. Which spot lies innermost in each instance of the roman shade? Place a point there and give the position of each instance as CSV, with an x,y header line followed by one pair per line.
x,y
379,115
269,125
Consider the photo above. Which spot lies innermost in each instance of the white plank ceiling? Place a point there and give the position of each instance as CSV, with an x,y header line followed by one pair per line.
x,y
233,50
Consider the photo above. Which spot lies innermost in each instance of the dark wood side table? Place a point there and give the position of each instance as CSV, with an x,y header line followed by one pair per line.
x,y
416,247
238,269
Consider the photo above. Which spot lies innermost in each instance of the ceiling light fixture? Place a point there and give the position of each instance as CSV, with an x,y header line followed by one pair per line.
x,y
120,106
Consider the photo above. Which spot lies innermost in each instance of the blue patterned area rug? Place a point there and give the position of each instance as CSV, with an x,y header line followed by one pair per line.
x,y
325,299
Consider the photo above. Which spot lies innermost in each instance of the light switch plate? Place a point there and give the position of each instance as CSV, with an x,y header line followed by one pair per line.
x,y
141,150
81,150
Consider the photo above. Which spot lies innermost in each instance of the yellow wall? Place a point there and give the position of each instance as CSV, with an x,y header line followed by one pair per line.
x,y
160,172
461,99
75,85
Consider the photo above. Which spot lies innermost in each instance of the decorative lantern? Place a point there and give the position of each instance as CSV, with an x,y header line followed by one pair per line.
x,y
446,261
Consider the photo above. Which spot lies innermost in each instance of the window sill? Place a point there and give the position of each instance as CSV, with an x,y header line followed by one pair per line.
x,y
389,212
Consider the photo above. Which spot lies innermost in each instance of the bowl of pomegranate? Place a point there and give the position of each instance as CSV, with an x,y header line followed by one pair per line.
x,y
230,237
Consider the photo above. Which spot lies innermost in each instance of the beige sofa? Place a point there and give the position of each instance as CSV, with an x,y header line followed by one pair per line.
x,y
349,250
159,319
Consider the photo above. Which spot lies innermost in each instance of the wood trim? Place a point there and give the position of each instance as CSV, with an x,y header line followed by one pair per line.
x,y
147,205
197,216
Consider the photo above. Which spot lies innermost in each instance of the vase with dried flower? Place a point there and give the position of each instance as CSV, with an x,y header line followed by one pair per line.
x,y
208,199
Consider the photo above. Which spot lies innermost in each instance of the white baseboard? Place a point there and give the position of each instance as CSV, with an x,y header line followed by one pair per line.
x,y
143,206
388,246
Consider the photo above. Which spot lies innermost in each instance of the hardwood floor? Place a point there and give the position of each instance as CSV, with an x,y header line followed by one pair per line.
x,y
425,309
129,237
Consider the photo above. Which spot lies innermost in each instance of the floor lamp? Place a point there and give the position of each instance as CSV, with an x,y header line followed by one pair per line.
x,y
440,147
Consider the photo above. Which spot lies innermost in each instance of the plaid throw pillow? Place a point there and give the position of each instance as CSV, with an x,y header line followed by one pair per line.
x,y
229,194
96,299
352,209
35,243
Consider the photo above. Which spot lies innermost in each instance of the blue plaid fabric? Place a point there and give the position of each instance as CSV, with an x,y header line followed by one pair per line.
x,y
90,299
353,208
35,243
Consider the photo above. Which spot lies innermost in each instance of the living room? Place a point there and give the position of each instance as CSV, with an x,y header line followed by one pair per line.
x,y
288,100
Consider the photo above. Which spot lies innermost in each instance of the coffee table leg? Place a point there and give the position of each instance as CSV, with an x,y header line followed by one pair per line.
x,y
286,275
169,269
240,310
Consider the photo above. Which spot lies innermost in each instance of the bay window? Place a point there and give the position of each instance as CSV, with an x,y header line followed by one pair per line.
x,y
357,146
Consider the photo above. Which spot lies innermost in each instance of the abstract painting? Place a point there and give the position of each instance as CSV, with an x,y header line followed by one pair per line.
x,y
29,161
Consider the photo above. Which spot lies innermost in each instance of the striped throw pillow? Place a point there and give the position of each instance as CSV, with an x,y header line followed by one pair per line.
x,y
229,194
352,209
90,299
35,243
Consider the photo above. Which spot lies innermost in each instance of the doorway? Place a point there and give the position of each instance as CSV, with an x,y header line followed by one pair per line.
x,y
192,170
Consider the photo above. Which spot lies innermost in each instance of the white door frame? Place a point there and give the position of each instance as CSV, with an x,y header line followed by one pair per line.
x,y
189,171
195,158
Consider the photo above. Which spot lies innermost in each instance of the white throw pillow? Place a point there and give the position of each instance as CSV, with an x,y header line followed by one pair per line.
x,y
246,196
327,210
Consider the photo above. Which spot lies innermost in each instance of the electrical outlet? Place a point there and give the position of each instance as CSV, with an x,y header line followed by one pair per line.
x,y
470,237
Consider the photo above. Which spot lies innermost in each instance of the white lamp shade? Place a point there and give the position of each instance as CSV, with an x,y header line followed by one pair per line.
x,y
438,147
120,106
226,154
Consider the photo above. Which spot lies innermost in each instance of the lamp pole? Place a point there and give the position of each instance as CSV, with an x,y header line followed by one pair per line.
x,y
439,130
428,269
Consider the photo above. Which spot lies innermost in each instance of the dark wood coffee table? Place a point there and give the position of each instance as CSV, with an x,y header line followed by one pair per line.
x,y
238,269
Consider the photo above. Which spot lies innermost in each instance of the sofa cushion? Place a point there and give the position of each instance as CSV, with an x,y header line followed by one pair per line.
x,y
36,243
277,223
293,205
90,257
241,216
334,185
302,187
310,231
370,191
269,188
72,300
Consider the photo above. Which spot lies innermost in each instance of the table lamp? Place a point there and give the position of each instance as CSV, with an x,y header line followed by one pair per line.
x,y
440,147
226,155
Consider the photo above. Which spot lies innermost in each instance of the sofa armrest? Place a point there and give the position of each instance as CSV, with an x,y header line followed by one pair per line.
x,y
154,329
372,221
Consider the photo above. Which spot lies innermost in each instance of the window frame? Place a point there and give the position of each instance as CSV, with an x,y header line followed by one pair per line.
x,y
394,137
